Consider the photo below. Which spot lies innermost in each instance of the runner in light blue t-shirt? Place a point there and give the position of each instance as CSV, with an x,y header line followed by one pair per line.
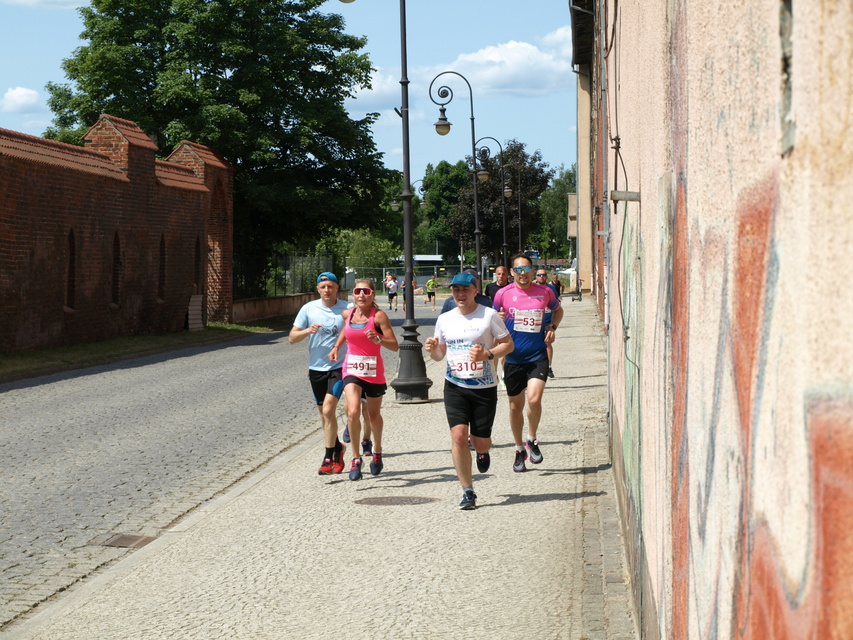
x,y
320,321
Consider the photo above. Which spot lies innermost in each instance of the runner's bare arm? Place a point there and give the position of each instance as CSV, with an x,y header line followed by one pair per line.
x,y
388,338
434,348
298,335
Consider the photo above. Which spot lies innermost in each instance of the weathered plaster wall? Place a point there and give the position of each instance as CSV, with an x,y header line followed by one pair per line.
x,y
730,315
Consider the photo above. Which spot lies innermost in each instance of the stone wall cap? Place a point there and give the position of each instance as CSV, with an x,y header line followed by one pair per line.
x,y
57,154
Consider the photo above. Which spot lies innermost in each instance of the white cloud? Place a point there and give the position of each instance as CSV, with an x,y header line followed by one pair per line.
x,y
19,100
385,92
559,42
514,68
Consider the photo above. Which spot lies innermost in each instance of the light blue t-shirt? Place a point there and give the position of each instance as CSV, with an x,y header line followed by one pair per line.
x,y
321,343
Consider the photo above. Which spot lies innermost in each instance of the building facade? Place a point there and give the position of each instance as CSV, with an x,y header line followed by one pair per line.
x,y
105,240
720,177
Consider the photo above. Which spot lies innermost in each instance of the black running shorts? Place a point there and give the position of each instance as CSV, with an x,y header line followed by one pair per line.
x,y
369,389
474,407
517,375
325,383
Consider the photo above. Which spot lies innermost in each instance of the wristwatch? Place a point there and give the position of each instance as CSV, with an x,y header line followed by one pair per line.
x,y
491,355
552,327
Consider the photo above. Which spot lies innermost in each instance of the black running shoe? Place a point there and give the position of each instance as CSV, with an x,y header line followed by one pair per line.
x,y
376,464
483,462
469,501
535,453
355,469
550,372
518,466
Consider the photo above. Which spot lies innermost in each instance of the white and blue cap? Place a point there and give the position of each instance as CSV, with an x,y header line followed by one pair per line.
x,y
464,279
327,275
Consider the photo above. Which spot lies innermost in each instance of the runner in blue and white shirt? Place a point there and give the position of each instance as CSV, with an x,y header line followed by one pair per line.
x,y
471,336
320,321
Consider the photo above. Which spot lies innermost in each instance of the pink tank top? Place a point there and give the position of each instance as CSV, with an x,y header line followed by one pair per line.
x,y
363,360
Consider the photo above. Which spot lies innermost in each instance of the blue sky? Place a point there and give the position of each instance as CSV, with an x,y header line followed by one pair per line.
x,y
516,56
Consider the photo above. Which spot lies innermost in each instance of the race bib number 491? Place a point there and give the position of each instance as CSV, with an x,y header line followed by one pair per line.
x,y
361,366
528,320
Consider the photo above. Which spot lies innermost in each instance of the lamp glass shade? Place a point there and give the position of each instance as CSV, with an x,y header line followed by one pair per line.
x,y
507,192
483,175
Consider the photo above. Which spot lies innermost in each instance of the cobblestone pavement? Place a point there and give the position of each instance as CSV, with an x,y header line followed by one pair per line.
x,y
131,447
286,553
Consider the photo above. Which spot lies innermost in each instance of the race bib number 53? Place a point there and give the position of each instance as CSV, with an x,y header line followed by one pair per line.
x,y
361,366
528,320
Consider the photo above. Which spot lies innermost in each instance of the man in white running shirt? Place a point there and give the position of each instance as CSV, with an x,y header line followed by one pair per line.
x,y
471,336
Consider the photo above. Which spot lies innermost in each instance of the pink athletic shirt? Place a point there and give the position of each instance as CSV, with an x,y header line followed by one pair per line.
x,y
363,360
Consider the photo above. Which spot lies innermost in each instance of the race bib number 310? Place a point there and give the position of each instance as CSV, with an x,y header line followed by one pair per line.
x,y
462,367
361,366
528,320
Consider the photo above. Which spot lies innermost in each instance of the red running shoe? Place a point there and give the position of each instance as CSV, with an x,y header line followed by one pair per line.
x,y
338,461
327,468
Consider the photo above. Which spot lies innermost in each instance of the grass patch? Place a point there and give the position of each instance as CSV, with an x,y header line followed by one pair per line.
x,y
28,364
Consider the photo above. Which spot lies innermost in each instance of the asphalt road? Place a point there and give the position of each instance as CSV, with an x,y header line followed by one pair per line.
x,y
130,448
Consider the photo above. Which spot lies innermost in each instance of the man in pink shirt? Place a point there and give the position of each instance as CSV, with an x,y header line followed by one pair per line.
x,y
523,305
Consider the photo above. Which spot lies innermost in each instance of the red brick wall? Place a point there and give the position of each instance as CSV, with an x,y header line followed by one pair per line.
x,y
113,188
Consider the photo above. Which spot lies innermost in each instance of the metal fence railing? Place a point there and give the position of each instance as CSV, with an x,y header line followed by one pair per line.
x,y
296,272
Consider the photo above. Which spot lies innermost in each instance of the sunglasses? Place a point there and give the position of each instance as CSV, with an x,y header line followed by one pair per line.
x,y
525,268
541,275
362,290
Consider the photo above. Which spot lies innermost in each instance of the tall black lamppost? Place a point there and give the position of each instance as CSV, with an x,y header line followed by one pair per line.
x,y
442,128
507,192
518,185
412,384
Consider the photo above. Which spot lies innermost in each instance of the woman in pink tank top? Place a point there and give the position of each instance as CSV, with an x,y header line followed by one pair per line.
x,y
366,330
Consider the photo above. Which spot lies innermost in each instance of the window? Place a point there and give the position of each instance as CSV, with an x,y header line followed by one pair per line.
x,y
71,271
786,26
116,288
197,267
161,279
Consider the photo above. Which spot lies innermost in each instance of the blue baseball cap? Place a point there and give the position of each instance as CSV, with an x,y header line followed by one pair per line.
x,y
464,279
326,275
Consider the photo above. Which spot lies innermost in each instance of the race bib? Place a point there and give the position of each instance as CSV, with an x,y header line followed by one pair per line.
x,y
528,320
361,366
462,367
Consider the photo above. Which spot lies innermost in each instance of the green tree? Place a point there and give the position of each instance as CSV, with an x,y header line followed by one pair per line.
x,y
359,249
551,237
521,170
442,185
261,81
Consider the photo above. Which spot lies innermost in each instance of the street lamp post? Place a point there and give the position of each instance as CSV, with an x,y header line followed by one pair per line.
x,y
506,192
518,182
442,128
412,384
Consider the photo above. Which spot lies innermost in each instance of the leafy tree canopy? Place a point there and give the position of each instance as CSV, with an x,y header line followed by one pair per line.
x,y
441,185
360,249
261,81
526,174
551,237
